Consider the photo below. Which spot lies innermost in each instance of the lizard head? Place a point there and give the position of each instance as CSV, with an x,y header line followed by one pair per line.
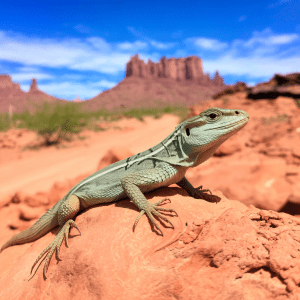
x,y
207,131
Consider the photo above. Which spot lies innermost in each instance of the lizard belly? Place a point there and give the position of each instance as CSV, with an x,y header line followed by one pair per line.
x,y
94,194
173,175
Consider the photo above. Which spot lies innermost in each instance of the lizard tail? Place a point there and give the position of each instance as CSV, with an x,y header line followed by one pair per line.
x,y
42,226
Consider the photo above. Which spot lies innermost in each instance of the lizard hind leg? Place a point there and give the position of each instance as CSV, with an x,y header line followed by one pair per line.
x,y
67,211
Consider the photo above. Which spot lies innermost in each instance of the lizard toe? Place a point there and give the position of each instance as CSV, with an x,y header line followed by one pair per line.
x,y
161,201
166,209
156,213
150,216
54,246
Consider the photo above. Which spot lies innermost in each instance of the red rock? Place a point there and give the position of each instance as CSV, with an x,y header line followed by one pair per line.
x,y
58,190
182,69
5,200
218,80
28,213
11,95
239,86
279,85
194,69
33,86
114,155
39,199
252,253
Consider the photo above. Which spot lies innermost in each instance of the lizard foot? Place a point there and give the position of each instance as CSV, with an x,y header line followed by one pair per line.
x,y
55,246
199,193
205,190
152,210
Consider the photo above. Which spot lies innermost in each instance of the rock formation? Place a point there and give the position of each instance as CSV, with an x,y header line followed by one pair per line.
x,y
280,85
11,95
9,89
181,69
239,86
33,87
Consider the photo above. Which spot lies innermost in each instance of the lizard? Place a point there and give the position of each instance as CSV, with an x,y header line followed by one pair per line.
x,y
191,143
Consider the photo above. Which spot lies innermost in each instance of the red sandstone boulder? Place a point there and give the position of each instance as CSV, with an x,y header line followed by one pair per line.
x,y
114,155
215,251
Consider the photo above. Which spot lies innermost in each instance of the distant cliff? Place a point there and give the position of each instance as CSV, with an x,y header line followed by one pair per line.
x,y
180,69
12,95
9,89
172,82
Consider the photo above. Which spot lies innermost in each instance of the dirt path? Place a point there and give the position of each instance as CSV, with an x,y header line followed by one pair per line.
x,y
37,170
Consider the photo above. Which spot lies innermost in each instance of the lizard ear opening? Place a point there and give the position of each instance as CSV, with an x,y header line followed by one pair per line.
x,y
187,130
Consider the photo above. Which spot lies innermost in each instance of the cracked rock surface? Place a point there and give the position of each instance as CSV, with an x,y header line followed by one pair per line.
x,y
222,250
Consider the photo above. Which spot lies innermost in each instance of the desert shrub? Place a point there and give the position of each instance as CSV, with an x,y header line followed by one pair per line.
x,y
54,122
4,122
157,112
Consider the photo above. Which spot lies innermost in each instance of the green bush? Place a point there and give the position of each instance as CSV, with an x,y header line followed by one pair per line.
x,y
54,122
4,122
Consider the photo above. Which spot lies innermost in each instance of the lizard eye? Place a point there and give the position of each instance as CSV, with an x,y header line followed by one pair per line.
x,y
212,115
187,130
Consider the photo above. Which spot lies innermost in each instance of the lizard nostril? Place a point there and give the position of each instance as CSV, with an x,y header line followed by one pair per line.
x,y
237,112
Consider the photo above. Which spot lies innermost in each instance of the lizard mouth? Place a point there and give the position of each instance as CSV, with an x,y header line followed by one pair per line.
x,y
236,125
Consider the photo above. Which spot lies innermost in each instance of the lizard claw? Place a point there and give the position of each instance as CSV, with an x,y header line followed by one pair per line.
x,y
199,193
199,188
55,246
152,210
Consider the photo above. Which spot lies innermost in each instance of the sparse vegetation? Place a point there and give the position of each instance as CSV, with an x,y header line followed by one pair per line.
x,y
53,122
57,122
225,100
279,118
4,122
156,112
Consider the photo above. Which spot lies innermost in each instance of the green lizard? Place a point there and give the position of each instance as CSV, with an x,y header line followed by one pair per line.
x,y
190,144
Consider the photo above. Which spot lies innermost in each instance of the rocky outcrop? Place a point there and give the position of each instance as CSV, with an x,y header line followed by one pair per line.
x,y
33,86
181,69
280,85
239,86
9,89
14,98
253,254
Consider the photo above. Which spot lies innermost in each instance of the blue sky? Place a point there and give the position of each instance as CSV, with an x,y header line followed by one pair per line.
x,y
82,47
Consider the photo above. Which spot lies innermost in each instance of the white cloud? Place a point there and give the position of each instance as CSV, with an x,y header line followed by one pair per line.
x,y
207,44
262,55
99,44
135,46
254,67
153,43
93,53
70,90
104,84
160,45
28,76
266,37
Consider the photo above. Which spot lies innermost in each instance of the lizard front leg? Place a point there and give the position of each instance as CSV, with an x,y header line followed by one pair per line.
x,y
148,179
198,192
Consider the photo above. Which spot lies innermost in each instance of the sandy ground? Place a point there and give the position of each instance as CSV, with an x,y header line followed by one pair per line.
x,y
36,170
